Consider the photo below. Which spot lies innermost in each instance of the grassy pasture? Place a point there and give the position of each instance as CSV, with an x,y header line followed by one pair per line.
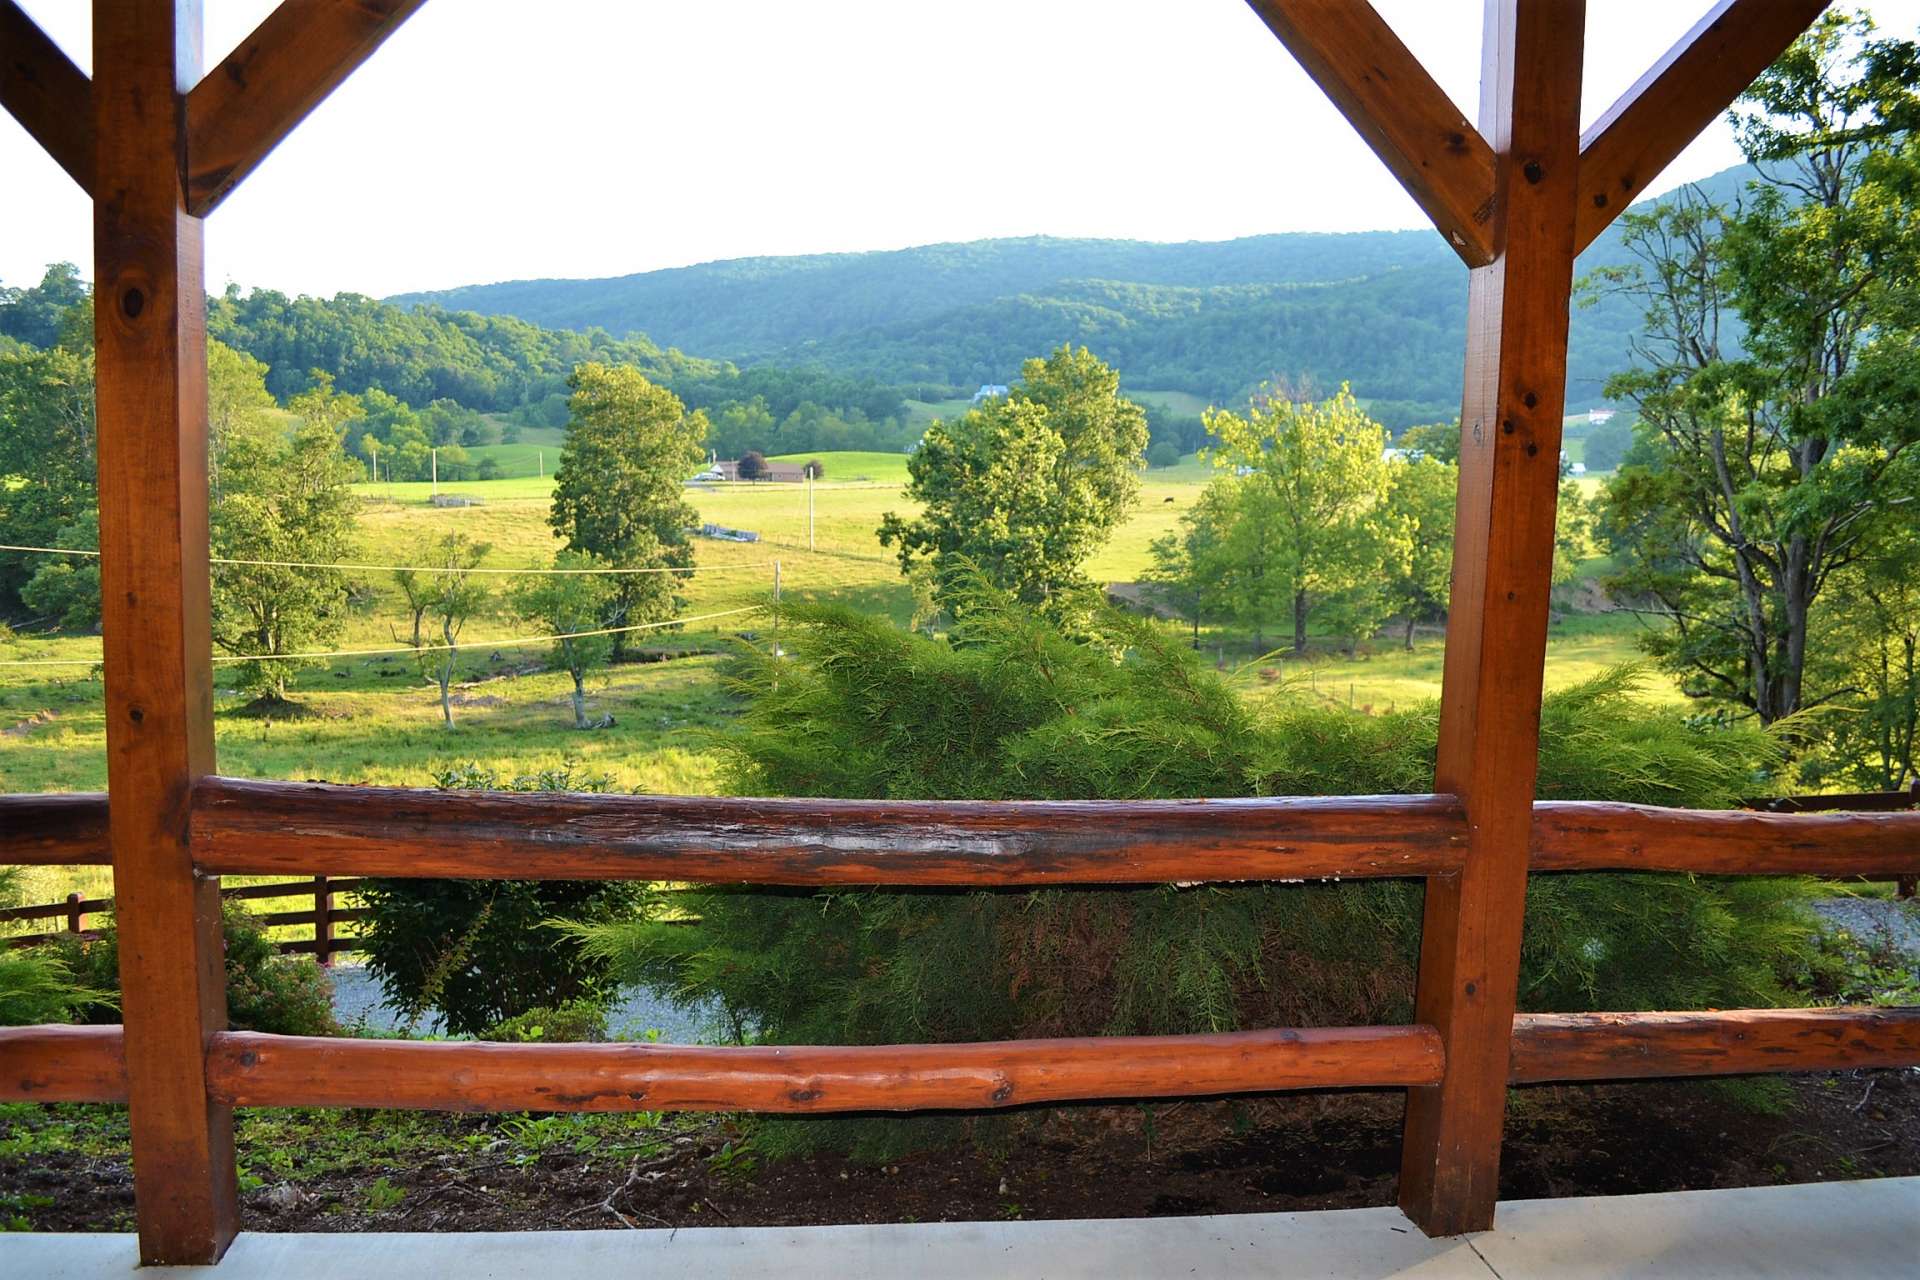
x,y
375,718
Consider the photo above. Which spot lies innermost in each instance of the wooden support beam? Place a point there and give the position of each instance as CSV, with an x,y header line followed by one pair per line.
x,y
1636,1046
250,1070
62,1064
50,97
151,402
249,103
1497,625
1680,95
266,828
1593,836
1398,109
54,830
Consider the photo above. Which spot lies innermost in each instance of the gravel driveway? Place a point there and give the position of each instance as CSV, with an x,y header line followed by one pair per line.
x,y
357,999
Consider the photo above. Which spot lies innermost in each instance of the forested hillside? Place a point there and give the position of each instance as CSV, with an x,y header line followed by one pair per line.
x,y
422,354
1382,309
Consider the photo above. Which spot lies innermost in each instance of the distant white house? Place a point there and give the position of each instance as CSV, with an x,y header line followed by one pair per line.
x,y
989,391
1597,416
1578,468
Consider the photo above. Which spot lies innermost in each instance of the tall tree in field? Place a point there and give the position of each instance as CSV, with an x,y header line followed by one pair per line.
x,y
454,594
1420,496
1761,471
1191,572
283,498
563,605
619,491
1027,486
47,487
1307,484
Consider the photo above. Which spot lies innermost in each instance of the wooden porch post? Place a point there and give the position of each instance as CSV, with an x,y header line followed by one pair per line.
x,y
1497,627
150,331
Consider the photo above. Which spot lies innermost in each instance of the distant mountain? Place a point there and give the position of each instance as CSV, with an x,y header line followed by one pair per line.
x,y
1382,309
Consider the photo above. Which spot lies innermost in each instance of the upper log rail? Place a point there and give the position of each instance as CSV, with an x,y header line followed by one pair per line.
x,y
1639,135
1399,111
50,97
247,105
55,830
1581,835
249,828
269,828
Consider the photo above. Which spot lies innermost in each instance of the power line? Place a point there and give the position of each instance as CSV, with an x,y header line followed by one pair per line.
x,y
407,648
419,568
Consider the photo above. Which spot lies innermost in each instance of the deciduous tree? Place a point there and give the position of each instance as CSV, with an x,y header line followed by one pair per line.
x,y
563,605
1026,486
619,491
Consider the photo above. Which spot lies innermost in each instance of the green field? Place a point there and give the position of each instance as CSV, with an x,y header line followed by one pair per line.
x,y
374,718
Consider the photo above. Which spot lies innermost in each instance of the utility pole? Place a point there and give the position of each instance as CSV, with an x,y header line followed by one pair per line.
x,y
540,460
776,608
809,470
373,458
436,469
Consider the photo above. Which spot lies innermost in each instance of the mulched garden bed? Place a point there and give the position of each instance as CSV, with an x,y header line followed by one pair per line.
x,y
65,1169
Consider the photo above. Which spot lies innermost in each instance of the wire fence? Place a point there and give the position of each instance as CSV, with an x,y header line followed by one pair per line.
x,y
436,646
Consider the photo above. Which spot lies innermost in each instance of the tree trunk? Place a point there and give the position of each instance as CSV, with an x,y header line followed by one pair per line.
x,y
579,699
1410,631
1299,622
446,676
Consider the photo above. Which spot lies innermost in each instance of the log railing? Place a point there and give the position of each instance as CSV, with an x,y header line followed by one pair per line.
x,y
266,827
323,916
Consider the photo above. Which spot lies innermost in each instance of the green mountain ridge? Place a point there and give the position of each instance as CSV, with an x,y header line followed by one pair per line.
x,y
1380,309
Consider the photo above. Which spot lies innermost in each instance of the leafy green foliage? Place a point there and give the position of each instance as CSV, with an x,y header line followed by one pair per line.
x,y
618,492
1027,486
1305,523
46,455
480,952
1012,708
448,597
283,498
36,983
1760,473
564,604
1420,498
423,354
266,991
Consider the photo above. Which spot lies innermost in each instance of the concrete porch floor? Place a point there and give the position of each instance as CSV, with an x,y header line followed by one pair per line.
x,y
1857,1230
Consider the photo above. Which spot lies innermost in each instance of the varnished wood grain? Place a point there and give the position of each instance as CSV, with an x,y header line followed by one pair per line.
x,y
1632,1046
1594,836
249,103
46,93
267,828
62,1064
1626,148
272,1071
1497,623
54,830
151,401
1399,111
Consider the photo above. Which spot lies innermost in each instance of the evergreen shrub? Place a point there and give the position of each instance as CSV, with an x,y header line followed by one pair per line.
x,y
481,952
266,991
1010,707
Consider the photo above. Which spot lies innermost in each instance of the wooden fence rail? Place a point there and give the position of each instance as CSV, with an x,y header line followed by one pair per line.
x,y
323,916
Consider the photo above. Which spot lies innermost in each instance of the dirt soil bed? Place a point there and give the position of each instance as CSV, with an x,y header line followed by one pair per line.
x,y
419,1172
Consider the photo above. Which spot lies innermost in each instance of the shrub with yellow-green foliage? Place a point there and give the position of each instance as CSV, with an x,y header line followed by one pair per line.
x,y
1010,707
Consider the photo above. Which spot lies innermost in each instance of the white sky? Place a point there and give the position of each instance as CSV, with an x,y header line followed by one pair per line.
x,y
501,139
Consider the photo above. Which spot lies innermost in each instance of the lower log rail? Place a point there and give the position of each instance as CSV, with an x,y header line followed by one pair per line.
x,y
248,1069
251,1070
1637,1046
